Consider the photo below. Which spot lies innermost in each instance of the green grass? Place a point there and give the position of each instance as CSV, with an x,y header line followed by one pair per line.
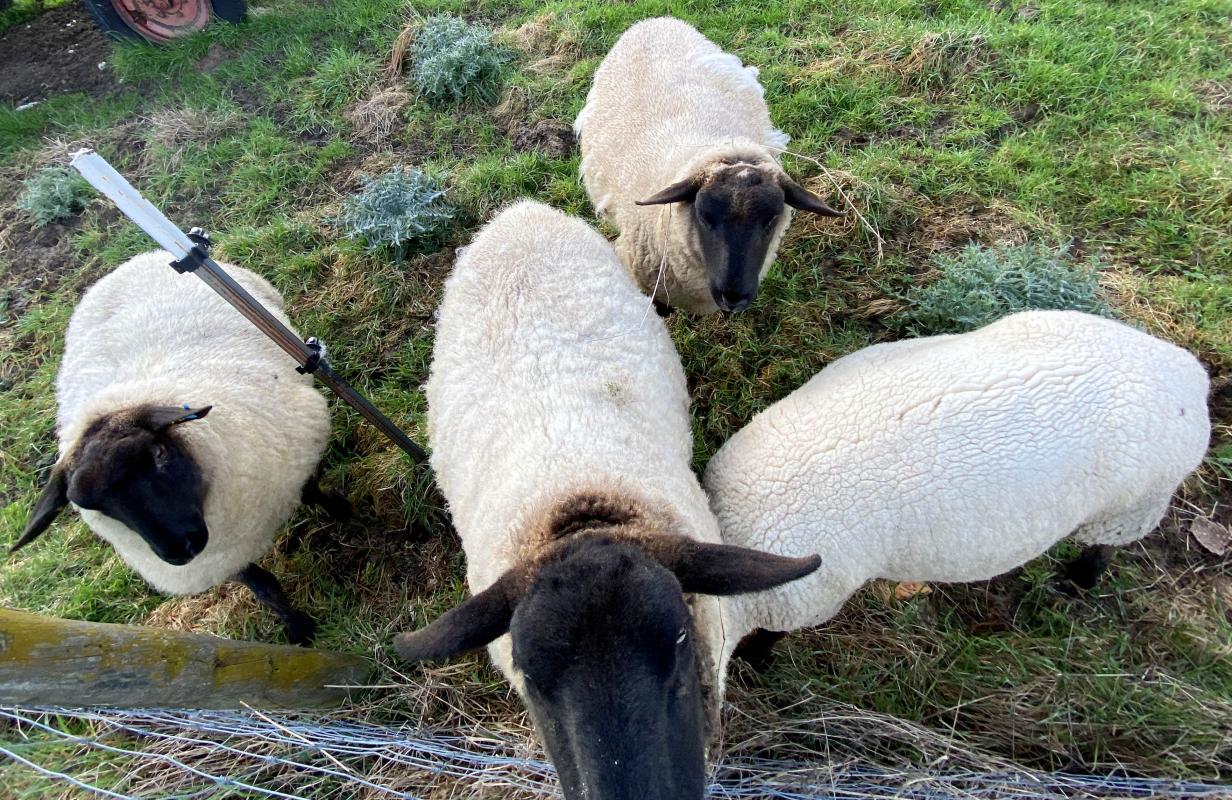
x,y
924,113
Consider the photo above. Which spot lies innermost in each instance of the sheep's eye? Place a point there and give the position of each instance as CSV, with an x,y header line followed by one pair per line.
x,y
160,455
682,636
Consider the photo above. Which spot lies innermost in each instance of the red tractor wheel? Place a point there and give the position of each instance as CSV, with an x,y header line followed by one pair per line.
x,y
161,21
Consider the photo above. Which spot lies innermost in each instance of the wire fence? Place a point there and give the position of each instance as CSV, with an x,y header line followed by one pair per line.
x,y
135,753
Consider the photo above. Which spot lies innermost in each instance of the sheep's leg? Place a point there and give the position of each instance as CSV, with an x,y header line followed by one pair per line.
x,y
1085,570
755,649
299,626
333,502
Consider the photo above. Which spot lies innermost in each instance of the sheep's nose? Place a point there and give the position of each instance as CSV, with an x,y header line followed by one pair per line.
x,y
195,542
732,302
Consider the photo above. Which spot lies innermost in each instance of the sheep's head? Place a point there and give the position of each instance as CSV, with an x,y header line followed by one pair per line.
x,y
129,466
736,209
603,639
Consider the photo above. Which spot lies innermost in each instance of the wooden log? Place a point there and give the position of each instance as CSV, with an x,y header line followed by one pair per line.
x,y
49,661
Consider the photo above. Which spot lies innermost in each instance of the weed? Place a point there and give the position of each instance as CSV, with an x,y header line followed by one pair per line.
x,y
393,210
453,58
54,193
982,284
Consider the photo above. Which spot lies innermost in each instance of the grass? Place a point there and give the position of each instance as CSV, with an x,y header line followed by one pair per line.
x,y
948,123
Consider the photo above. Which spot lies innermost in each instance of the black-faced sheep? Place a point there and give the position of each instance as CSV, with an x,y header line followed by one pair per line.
x,y
559,425
679,152
187,438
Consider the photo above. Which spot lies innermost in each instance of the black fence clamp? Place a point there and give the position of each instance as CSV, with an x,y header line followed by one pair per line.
x,y
314,359
196,255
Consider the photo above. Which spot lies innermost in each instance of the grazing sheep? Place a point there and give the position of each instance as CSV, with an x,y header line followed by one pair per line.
x,y
958,458
672,119
187,500
558,417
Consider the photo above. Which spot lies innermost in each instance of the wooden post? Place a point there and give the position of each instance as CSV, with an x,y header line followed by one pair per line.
x,y
49,661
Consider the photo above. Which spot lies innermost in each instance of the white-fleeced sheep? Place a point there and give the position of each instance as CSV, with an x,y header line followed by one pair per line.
x,y
559,425
187,500
958,458
679,152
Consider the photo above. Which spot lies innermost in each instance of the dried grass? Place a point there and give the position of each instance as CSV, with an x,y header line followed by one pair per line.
x,y
547,37
938,58
173,128
1216,96
376,118
946,227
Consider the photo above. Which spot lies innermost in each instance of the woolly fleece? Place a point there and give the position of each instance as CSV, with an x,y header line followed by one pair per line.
x,y
958,458
146,334
667,103
551,375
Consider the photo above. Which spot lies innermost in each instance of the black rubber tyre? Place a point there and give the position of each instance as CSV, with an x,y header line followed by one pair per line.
x,y
115,25
105,17
233,11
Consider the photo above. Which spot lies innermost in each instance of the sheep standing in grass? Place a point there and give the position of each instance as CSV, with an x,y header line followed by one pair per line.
x,y
958,458
559,424
187,500
679,152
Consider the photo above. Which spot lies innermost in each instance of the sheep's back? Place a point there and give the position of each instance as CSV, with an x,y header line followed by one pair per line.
x,y
960,457
550,371
144,320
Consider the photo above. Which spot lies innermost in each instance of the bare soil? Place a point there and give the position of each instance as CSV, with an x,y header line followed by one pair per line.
x,y
550,138
56,52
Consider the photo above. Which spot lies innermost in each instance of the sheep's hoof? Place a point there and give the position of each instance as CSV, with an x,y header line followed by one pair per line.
x,y
1086,570
301,630
757,649
333,502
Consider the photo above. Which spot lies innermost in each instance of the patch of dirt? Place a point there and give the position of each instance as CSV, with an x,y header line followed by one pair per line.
x,y
39,258
56,52
944,228
546,136
420,565
213,58
1019,120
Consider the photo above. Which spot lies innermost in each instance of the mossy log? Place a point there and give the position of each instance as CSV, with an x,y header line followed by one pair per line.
x,y
49,661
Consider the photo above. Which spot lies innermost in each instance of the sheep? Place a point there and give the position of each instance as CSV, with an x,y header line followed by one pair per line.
x,y
559,428
186,437
670,119
958,458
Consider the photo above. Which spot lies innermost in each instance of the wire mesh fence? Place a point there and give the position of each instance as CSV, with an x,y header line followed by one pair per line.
x,y
135,753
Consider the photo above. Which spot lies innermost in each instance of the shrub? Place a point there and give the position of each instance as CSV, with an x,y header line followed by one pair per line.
x,y
395,209
453,58
55,193
982,284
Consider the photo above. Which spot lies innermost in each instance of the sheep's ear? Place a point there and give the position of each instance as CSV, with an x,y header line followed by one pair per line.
x,y
469,626
797,196
159,418
722,569
681,192
53,498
